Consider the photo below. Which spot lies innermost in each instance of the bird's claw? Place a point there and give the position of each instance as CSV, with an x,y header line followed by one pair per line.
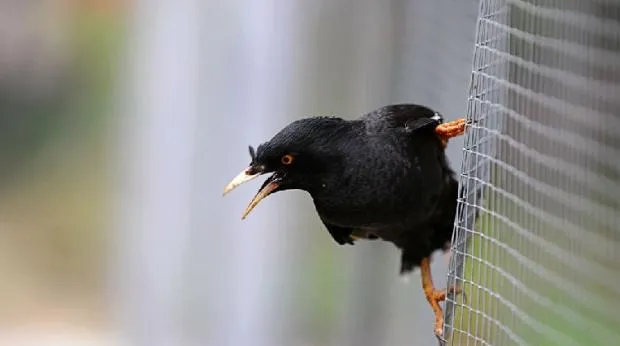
x,y
439,335
450,129
439,296
456,290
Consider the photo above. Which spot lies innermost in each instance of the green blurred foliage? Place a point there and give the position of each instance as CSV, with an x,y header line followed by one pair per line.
x,y
77,107
53,153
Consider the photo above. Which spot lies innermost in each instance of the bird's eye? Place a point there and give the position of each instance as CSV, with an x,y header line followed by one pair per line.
x,y
287,159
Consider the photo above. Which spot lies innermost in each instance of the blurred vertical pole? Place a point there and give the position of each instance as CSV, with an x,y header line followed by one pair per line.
x,y
244,315
236,276
155,173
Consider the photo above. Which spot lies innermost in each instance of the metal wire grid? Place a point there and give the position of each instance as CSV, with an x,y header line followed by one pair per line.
x,y
536,245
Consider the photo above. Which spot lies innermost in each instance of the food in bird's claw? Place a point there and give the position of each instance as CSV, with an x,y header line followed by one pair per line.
x,y
384,175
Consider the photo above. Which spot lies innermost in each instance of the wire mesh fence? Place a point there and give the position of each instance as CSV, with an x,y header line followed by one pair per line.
x,y
536,244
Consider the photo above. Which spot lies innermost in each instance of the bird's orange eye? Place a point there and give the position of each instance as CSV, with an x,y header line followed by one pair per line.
x,y
287,159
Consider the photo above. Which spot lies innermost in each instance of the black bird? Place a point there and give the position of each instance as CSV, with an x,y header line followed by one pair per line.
x,y
384,175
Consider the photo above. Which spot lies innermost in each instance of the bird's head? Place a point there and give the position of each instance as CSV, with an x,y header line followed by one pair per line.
x,y
304,155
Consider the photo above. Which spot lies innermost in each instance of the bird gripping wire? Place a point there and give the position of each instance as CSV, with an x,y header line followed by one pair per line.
x,y
450,129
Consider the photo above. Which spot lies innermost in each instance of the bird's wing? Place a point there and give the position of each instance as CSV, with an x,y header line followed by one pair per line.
x,y
409,117
342,235
417,124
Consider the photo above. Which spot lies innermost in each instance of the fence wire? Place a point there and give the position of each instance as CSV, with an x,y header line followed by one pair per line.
x,y
536,245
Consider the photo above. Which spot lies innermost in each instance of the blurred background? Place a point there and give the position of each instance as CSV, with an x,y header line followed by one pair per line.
x,y
120,124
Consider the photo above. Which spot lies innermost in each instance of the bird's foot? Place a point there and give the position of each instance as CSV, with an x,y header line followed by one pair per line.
x,y
442,294
441,340
450,129
435,297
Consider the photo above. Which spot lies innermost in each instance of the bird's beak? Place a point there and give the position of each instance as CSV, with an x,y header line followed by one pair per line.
x,y
269,186
241,178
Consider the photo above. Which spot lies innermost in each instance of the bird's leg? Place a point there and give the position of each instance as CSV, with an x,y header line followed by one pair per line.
x,y
450,129
434,296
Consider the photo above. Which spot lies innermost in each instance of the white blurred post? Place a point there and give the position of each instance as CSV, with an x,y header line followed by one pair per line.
x,y
238,263
155,173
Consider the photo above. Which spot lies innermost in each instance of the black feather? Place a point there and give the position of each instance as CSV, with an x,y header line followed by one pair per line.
x,y
384,175
252,153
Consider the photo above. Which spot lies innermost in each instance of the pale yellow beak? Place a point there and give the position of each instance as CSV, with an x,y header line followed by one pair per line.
x,y
241,178
245,176
262,193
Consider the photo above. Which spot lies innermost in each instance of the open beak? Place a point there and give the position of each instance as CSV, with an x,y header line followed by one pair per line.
x,y
269,186
241,178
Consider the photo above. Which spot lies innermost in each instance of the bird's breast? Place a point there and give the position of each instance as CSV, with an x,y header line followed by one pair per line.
x,y
376,205
390,188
